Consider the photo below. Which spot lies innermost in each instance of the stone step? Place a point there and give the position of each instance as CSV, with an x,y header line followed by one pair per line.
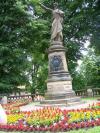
x,y
61,101
75,103
52,105
61,105
74,99
59,95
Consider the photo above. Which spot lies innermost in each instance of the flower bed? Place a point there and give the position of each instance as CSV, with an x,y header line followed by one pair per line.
x,y
13,106
53,119
95,106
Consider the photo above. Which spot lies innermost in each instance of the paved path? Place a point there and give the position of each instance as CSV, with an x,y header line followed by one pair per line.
x,y
32,106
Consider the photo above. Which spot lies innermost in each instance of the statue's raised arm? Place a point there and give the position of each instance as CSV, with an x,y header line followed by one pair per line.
x,y
57,15
46,8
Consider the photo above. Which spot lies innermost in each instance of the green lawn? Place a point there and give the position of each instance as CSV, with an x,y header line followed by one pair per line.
x,y
91,130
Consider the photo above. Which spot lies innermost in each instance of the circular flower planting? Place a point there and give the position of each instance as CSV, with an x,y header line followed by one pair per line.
x,y
53,119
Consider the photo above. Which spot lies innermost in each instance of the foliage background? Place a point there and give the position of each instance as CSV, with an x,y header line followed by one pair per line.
x,y
25,35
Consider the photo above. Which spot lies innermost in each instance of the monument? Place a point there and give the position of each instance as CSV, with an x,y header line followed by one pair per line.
x,y
59,83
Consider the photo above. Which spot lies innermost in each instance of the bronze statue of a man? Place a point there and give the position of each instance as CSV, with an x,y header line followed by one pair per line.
x,y
56,32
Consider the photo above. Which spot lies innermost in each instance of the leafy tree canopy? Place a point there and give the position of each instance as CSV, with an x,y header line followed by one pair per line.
x,y
25,35
90,69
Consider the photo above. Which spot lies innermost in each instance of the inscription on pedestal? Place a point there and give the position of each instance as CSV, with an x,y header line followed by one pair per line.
x,y
56,87
67,87
59,90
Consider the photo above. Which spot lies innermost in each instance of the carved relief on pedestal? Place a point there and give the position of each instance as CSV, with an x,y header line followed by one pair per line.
x,y
56,63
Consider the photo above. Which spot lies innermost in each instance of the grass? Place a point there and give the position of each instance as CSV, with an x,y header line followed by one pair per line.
x,y
91,130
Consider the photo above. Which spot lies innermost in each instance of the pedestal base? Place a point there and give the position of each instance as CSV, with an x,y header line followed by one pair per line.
x,y
62,102
60,93
59,84
59,90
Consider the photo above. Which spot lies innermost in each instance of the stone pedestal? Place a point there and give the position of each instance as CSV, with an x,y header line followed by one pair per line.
x,y
59,83
59,90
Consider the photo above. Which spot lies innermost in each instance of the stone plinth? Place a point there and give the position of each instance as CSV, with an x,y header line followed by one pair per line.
x,y
59,90
59,83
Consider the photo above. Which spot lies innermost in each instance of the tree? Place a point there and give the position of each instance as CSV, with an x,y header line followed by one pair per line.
x,y
25,33
90,69
38,72
12,55
95,32
79,82
20,37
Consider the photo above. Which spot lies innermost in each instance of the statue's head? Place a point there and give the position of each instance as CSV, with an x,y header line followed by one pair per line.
x,y
55,5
